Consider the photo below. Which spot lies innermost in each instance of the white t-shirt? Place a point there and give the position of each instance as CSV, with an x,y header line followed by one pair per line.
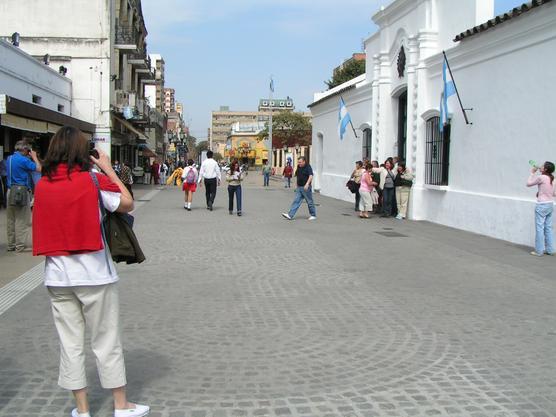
x,y
95,268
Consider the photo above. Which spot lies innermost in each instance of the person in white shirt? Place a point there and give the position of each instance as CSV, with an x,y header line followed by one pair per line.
x,y
210,174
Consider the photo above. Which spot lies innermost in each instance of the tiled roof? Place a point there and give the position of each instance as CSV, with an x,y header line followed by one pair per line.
x,y
515,12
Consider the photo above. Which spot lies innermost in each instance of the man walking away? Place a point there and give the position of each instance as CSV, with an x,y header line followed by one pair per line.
x,y
304,174
210,174
19,167
266,174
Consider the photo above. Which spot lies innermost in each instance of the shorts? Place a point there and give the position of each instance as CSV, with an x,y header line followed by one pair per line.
x,y
189,187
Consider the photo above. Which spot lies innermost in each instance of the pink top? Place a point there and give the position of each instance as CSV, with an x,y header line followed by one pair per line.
x,y
547,191
365,179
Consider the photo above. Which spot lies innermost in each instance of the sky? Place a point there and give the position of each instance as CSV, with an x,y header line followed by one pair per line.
x,y
223,52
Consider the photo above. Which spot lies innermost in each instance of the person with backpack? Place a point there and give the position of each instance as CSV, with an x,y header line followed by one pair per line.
x,y
234,178
189,178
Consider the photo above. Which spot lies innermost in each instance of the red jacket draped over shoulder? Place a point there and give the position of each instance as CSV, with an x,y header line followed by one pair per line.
x,y
66,219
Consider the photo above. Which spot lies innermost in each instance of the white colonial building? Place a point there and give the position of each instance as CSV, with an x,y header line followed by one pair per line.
x,y
504,67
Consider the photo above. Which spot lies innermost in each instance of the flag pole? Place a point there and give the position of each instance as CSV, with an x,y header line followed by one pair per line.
x,y
467,122
350,122
270,88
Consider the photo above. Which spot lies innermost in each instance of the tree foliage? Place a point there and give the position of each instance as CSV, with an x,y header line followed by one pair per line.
x,y
351,70
289,128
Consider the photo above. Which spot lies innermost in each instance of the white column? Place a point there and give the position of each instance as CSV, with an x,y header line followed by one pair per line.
x,y
375,107
386,110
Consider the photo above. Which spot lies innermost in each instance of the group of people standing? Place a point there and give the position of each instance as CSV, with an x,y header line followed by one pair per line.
x,y
382,189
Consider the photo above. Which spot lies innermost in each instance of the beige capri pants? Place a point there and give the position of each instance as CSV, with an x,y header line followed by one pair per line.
x,y
97,308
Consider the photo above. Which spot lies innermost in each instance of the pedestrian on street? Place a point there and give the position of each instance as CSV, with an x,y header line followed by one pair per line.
x,y
210,174
155,171
147,171
19,167
126,177
404,182
366,188
544,237
189,176
387,178
356,178
3,183
164,169
266,174
234,178
288,173
79,274
304,174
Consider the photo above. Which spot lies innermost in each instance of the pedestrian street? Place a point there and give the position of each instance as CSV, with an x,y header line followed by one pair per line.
x,y
260,316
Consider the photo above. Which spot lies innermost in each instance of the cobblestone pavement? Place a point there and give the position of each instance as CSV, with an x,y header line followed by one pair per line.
x,y
258,316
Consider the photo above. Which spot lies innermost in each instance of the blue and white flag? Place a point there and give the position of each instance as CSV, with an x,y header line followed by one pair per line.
x,y
449,89
343,119
271,84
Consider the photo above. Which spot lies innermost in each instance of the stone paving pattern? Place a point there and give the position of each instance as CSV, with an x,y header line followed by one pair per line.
x,y
257,316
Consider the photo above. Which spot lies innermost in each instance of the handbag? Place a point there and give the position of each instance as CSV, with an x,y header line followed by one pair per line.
x,y
117,233
352,186
19,194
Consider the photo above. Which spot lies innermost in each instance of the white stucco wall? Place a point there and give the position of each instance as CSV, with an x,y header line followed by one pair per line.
x,y
505,74
334,169
22,76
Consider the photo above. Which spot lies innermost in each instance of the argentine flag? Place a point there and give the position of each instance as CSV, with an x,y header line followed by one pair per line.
x,y
449,89
343,119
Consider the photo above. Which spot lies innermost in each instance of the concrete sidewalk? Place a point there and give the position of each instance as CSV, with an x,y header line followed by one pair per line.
x,y
259,316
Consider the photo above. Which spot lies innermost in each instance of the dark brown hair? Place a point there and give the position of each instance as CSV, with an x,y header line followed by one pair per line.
x,y
233,165
549,170
68,146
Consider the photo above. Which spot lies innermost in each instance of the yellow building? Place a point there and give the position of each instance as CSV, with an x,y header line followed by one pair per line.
x,y
245,145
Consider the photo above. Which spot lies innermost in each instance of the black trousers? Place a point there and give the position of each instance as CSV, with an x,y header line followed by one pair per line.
x,y
210,190
357,200
4,192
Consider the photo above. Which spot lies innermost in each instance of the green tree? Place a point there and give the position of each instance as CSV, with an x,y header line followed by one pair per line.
x,y
217,156
202,146
289,128
350,70
191,142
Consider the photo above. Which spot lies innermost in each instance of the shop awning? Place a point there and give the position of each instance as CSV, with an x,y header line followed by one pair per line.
x,y
132,128
19,114
147,152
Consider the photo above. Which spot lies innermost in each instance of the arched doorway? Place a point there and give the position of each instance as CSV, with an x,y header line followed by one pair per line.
x,y
402,125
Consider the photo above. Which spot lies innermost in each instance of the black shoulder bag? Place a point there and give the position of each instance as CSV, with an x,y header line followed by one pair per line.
x,y
118,235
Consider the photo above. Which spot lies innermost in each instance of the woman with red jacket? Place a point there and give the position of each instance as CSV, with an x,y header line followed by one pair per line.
x,y
288,173
79,273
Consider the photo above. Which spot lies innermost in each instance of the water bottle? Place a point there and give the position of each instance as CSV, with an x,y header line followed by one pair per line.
x,y
533,164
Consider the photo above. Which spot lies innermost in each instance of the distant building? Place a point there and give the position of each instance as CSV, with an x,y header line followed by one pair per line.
x,y
359,56
243,143
179,109
155,92
169,100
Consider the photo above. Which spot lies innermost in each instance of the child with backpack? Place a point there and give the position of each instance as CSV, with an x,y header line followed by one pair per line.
x,y
189,176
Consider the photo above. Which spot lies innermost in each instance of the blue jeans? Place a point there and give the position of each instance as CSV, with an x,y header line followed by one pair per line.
x,y
300,195
266,179
234,189
544,238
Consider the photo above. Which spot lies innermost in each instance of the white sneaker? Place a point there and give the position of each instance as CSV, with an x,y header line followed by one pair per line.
x,y
138,411
536,254
286,216
399,217
74,413
312,218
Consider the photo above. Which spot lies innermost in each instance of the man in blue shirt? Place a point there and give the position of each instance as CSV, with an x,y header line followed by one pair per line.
x,y
304,174
19,166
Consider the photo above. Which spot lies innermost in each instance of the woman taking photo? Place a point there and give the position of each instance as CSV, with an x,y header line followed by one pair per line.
x,y
189,176
544,238
234,178
79,273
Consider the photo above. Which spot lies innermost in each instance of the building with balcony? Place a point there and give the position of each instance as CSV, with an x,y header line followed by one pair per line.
x,y
103,51
169,100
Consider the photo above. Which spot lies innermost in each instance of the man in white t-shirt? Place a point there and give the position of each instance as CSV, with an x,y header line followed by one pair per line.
x,y
210,174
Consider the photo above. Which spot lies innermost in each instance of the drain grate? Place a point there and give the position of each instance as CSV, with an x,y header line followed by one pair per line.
x,y
391,234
